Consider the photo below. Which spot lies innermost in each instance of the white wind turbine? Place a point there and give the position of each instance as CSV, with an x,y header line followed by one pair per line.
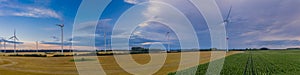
x,y
62,37
4,43
14,37
168,40
226,22
2,40
71,43
105,39
37,46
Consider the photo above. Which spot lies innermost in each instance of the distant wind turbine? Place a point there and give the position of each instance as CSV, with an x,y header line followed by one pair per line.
x,y
226,22
168,40
62,36
71,42
4,43
1,44
37,46
2,40
105,39
14,37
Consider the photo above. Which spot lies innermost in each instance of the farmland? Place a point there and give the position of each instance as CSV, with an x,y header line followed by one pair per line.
x,y
66,66
281,62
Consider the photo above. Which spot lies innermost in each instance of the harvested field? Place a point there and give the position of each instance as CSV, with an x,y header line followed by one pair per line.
x,y
65,65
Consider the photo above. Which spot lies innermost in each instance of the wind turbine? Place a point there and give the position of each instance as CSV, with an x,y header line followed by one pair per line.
x,y
4,43
226,22
104,40
37,46
168,40
1,40
71,42
62,37
14,37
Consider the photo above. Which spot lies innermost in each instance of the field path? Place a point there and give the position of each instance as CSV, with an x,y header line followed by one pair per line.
x,y
7,62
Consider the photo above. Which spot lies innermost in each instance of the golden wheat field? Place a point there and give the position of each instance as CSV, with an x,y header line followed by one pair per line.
x,y
65,65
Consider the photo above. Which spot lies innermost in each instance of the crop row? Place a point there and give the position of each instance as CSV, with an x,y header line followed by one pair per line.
x,y
256,63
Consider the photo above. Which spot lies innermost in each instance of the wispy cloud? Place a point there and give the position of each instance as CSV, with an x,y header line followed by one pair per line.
x,y
17,9
85,27
9,41
66,43
264,23
135,1
37,13
57,41
252,21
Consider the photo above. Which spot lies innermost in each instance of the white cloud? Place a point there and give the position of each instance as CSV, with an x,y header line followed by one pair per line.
x,y
134,1
252,20
86,29
37,13
16,9
263,20
154,13
151,43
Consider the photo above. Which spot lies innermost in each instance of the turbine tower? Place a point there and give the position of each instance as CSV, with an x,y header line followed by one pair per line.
x,y
105,40
168,40
14,37
62,37
37,46
1,40
226,22
4,43
71,43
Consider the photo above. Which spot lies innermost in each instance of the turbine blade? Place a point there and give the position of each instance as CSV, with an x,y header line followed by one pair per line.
x,y
14,32
229,12
167,36
11,37
16,38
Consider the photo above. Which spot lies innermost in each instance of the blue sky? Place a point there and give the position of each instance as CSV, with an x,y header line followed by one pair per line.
x,y
34,20
254,23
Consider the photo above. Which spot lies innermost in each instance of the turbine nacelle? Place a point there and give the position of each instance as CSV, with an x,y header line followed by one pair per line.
x,y
60,25
14,37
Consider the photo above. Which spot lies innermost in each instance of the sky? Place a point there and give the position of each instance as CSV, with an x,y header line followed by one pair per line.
x,y
253,23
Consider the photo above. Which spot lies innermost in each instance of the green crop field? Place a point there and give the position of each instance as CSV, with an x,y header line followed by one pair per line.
x,y
271,62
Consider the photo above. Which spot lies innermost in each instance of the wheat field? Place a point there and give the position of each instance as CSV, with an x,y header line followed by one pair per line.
x,y
65,65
